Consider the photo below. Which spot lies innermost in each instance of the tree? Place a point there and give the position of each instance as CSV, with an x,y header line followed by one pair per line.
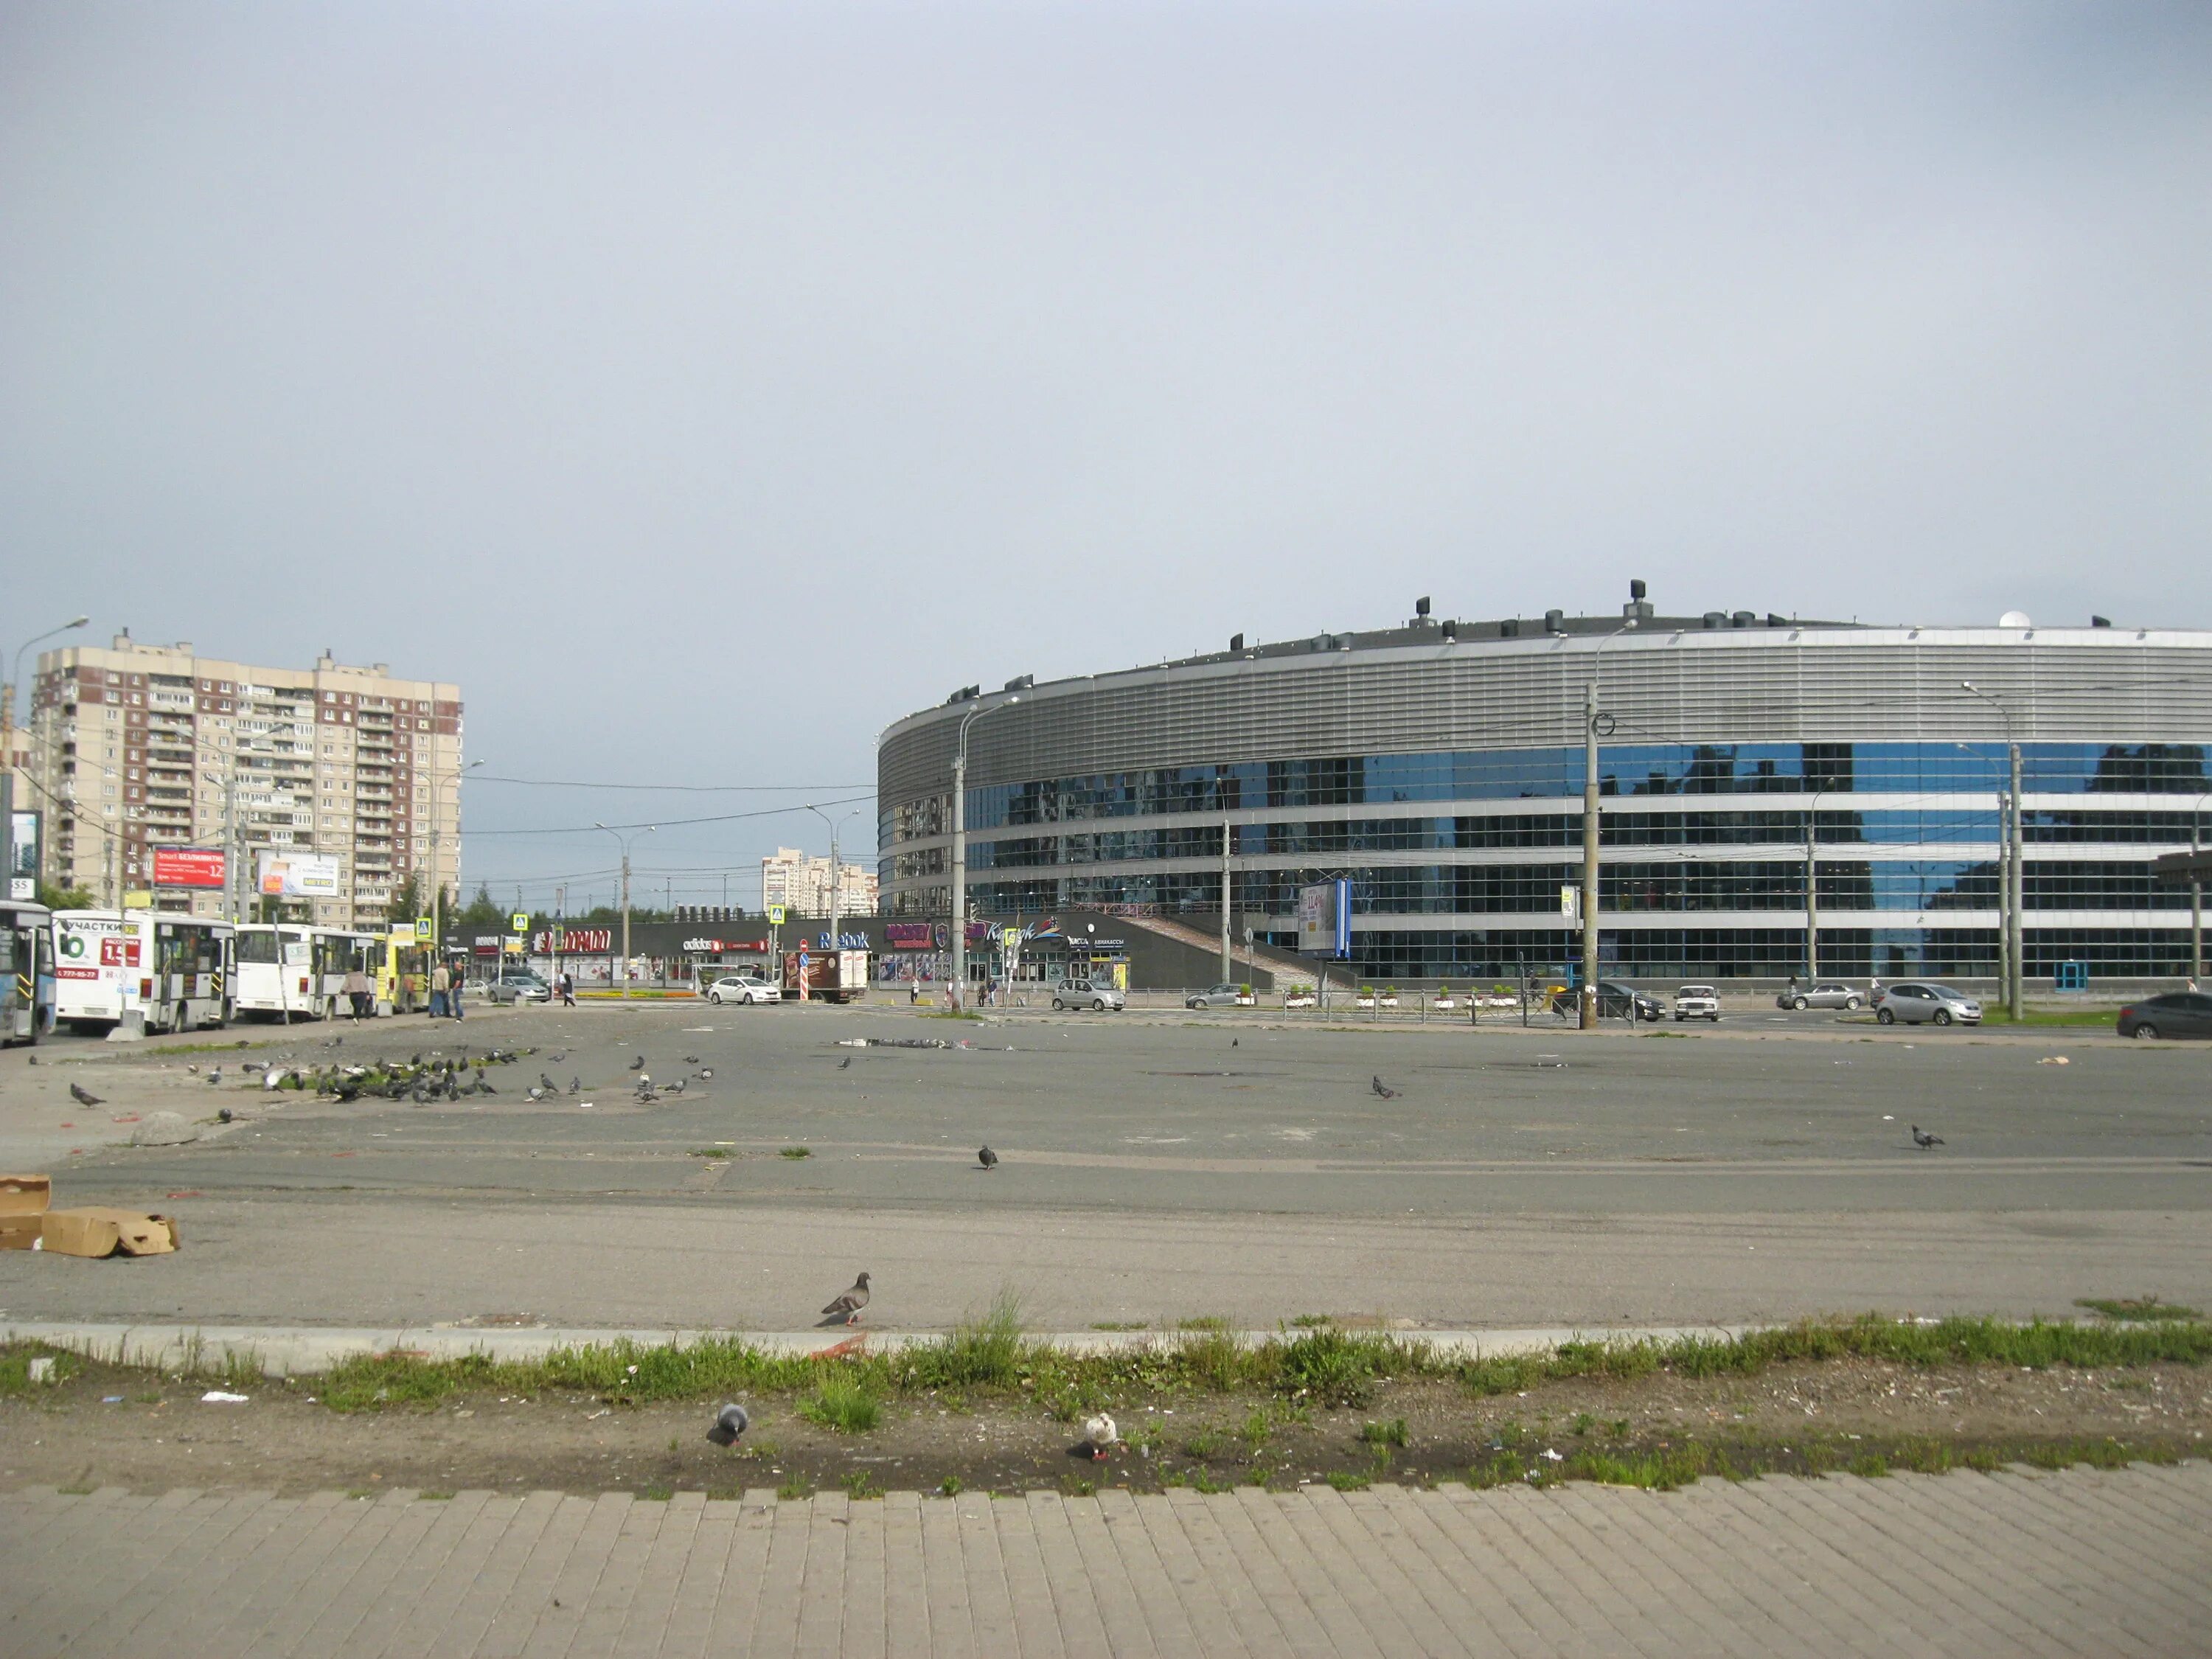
x,y
406,901
64,898
481,914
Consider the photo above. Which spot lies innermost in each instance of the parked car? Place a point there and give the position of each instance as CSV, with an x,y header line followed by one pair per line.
x,y
1918,1002
1616,999
1216,996
2176,1014
742,988
519,985
1822,994
1086,994
1698,1002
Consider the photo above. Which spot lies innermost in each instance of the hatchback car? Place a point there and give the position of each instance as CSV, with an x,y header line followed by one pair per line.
x,y
1698,1002
523,986
742,988
1918,1002
1216,996
1086,994
1822,994
2176,1014
1616,999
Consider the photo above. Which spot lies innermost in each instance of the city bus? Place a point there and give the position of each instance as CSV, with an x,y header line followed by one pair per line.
x,y
26,971
174,971
402,974
289,968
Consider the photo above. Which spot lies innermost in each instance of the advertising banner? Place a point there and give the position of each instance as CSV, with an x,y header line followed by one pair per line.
x,y
188,866
23,854
1325,918
910,935
299,875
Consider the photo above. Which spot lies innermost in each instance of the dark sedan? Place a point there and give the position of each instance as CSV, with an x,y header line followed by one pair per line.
x,y
1616,999
2176,1014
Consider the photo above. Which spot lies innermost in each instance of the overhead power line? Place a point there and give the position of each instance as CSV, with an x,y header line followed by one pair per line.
x,y
672,788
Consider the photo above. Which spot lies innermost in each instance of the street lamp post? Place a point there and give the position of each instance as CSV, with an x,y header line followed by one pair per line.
x,y
2013,883
437,882
1812,889
960,848
834,884
1590,829
8,739
623,841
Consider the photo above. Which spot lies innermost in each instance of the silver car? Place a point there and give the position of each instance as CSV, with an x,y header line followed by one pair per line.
x,y
1096,996
516,987
1822,994
742,988
1920,1002
1216,996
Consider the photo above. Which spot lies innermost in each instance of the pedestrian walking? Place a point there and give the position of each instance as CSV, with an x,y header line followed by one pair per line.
x,y
568,989
441,981
358,993
453,1000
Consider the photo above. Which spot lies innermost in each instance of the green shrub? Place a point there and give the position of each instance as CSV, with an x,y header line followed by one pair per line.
x,y
842,1405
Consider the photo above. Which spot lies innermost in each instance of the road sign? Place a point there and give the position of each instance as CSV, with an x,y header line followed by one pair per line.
x,y
522,920
1010,938
425,929
775,915
1571,902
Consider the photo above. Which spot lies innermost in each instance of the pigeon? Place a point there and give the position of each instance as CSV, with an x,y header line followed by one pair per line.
x,y
254,1066
222,1115
730,1422
1098,1434
690,1060
706,1073
1385,1090
677,1087
575,1085
1232,1042
214,1074
844,1063
193,1069
850,1304
1924,1140
537,1093
986,1157
547,1082
84,1097
273,1078
638,1065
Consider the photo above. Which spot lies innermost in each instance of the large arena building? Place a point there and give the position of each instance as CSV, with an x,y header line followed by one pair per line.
x,y
1439,767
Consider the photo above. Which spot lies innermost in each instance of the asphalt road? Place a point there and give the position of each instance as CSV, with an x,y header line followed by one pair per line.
x,y
1154,1166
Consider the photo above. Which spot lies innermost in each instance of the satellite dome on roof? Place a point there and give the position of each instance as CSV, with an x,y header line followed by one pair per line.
x,y
2014,619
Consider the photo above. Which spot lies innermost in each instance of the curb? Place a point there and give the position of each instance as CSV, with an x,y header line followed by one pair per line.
x,y
304,1351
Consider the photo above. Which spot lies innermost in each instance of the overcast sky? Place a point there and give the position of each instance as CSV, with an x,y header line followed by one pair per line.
x,y
705,387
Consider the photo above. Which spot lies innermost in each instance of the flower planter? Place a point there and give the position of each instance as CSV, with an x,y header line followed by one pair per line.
x,y
1301,1002
1389,1002
1247,1002
1362,1002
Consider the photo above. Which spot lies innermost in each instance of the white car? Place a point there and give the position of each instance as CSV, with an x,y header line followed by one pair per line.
x,y
742,988
1698,1002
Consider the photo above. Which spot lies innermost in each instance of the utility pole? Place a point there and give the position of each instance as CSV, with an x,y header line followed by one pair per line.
x,y
1812,893
2195,897
1591,822
960,848
1228,967
2017,943
2012,883
623,843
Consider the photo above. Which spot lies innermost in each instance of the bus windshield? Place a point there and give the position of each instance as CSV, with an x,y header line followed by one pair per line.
x,y
257,944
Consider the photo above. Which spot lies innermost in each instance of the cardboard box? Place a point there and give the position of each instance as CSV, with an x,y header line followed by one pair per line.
x,y
23,1200
101,1233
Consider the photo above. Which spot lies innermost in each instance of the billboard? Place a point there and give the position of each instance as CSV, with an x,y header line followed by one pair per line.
x,y
23,854
187,867
1325,918
299,875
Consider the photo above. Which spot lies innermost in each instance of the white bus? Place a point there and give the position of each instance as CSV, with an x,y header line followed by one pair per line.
x,y
26,970
291,970
174,970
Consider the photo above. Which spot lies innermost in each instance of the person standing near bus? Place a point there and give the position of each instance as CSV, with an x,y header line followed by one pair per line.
x,y
441,991
568,989
358,993
453,998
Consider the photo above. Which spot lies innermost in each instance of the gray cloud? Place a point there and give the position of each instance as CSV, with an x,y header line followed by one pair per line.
x,y
644,364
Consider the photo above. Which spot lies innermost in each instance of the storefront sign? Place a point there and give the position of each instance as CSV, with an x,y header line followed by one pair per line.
x,y
910,936
575,941
721,946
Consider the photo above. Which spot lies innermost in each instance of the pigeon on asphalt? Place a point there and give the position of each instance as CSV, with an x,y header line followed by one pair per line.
x,y
844,1063
547,1082
222,1115
1232,1042
850,1304
730,1422
537,1093
193,1069
84,1097
575,1085
1385,1090
214,1074
1923,1140
677,1087
690,1060
986,1157
706,1073
638,1065
1099,1433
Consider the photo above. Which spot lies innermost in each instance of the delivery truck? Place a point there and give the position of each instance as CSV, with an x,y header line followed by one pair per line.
x,y
824,975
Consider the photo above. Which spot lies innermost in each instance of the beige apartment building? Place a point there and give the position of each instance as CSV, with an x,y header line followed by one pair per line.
x,y
138,747
801,884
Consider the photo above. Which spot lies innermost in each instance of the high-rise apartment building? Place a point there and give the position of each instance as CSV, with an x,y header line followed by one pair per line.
x,y
801,884
138,747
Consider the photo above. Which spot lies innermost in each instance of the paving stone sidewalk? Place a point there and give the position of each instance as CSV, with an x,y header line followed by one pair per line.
x,y
2083,1563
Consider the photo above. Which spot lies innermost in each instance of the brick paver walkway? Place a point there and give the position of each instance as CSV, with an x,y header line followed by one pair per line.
x,y
2082,1563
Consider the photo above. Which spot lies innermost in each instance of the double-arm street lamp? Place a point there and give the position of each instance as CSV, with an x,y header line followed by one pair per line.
x,y
2012,882
623,841
834,825
1590,824
960,848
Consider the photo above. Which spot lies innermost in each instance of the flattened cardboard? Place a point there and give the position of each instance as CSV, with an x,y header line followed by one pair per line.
x,y
20,1232
25,1194
102,1232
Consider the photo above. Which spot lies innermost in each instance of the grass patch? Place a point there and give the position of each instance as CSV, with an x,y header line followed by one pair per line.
x,y
2132,1310
1308,1321
1996,1013
1349,1480
710,1151
795,1489
446,1497
1392,1433
797,1152
1120,1325
950,1486
983,1352
16,1368
842,1405
861,1486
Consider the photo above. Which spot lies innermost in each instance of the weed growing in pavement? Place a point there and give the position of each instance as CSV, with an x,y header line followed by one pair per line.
x,y
798,1152
710,1151
2136,1309
793,1489
1868,1466
1203,1444
985,1353
1581,1422
1392,1433
842,1405
860,1485
950,1486
1348,1480
1308,1322
16,1366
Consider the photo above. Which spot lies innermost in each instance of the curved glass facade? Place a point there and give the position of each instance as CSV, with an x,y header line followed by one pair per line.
x,y
1457,856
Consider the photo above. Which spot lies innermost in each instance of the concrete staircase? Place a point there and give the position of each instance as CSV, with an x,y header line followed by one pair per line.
x,y
1279,967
